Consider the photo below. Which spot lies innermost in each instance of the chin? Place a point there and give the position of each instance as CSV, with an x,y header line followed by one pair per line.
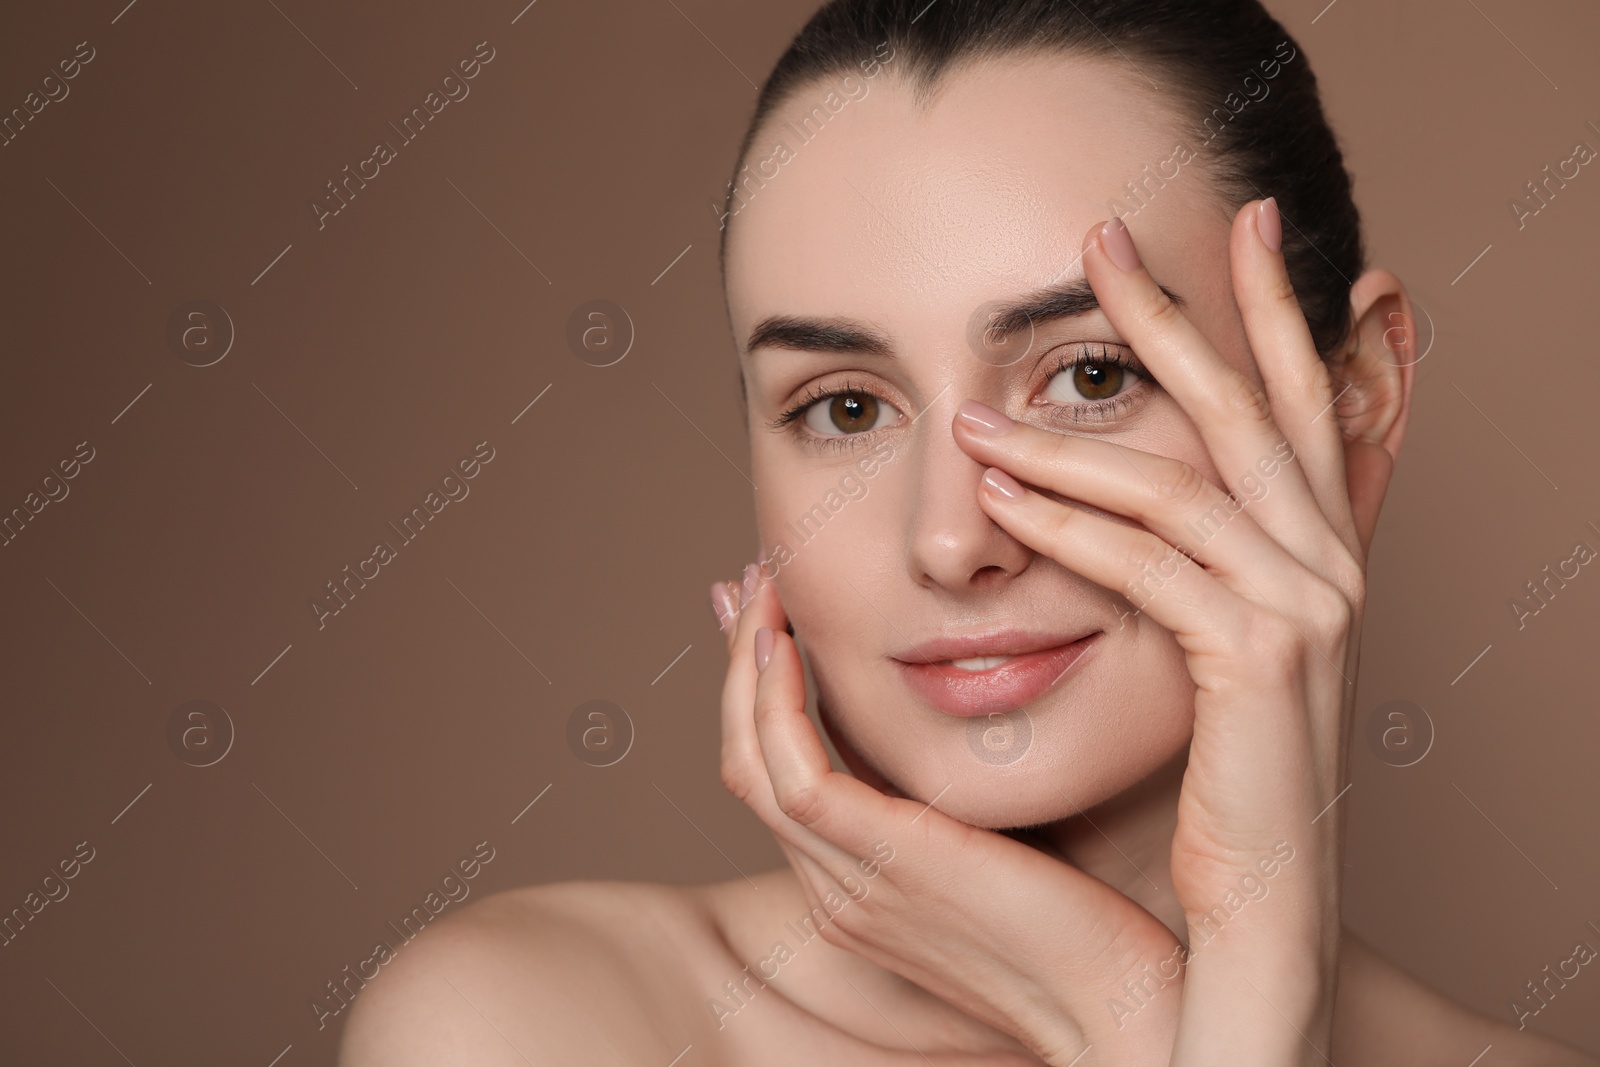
x,y
1070,751
1057,777
1017,798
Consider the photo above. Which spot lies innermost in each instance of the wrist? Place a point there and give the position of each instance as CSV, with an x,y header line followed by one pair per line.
x,y
1264,1000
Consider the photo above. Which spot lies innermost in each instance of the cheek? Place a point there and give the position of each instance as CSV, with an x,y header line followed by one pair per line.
x,y
1142,703
821,566
832,559
829,537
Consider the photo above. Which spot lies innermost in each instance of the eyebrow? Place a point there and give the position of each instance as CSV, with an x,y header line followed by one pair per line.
x,y
1060,301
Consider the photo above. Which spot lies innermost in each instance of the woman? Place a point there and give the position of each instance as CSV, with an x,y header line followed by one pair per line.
x,y
1072,406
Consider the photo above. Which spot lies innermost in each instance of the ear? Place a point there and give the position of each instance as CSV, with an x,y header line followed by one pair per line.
x,y
1373,377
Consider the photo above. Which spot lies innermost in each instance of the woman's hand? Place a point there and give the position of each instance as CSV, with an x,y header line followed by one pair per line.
x,y
1010,935
1267,607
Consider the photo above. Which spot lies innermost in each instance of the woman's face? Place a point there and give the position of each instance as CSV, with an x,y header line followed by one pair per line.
x,y
892,233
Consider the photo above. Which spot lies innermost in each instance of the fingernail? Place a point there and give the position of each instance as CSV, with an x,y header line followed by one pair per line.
x,y
983,419
763,648
1002,483
1269,224
1118,243
722,605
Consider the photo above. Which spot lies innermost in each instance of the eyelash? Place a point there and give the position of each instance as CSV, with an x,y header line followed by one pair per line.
x,y
1095,410
814,395
1069,358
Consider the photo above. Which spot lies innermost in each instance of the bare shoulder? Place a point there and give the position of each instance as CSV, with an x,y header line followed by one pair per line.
x,y
1385,1017
568,972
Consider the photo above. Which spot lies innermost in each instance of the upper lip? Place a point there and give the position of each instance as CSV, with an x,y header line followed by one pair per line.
x,y
988,643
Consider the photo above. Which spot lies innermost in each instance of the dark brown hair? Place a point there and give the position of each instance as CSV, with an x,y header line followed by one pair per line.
x,y
1206,54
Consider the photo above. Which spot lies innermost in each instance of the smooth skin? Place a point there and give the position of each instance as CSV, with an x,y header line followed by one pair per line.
x,y
969,946
954,911
1270,710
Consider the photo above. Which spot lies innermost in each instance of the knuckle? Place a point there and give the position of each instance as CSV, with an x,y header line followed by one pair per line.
x,y
735,779
1062,451
1061,519
1280,290
1182,484
834,933
1328,607
1348,576
1147,555
802,803
1158,310
1247,400
1273,643
1355,596
1319,386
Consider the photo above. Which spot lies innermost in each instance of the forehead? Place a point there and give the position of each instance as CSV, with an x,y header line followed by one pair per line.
x,y
862,203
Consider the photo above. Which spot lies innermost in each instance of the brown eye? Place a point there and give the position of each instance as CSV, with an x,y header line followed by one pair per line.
x,y
1088,381
846,413
853,412
1097,381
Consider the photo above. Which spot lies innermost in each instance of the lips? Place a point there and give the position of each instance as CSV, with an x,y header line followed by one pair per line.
x,y
1029,664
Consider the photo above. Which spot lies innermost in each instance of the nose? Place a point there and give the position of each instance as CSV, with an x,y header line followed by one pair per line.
x,y
952,544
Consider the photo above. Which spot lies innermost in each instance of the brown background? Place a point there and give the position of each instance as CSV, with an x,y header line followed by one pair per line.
x,y
378,351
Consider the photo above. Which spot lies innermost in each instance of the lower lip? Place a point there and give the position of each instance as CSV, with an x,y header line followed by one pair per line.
x,y
999,689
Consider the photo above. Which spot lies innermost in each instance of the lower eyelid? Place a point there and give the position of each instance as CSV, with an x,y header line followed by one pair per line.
x,y
836,442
